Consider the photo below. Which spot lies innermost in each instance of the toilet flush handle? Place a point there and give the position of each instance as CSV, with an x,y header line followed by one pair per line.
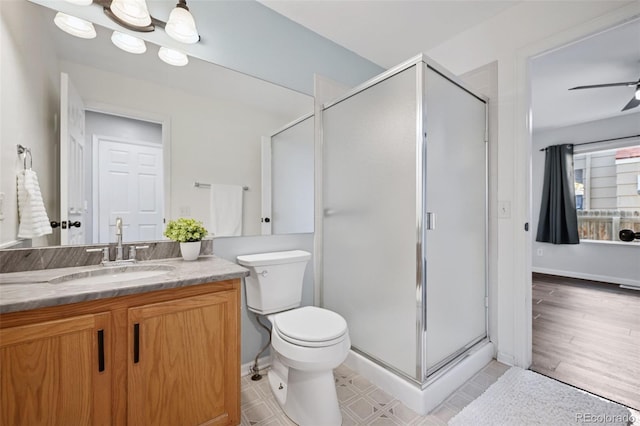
x,y
263,273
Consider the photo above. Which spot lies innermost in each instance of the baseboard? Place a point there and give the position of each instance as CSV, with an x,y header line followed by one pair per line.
x,y
506,358
590,277
263,363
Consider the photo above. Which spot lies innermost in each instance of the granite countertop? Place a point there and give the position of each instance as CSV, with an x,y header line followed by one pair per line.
x,y
21,291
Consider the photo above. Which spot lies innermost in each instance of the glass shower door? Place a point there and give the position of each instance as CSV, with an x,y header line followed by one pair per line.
x,y
370,236
455,194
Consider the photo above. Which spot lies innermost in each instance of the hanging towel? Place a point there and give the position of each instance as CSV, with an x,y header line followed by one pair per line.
x,y
34,221
226,210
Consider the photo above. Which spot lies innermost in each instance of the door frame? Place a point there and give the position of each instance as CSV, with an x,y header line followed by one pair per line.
x,y
163,120
522,156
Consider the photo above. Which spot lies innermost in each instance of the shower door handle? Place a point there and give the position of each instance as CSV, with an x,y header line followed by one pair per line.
x,y
431,221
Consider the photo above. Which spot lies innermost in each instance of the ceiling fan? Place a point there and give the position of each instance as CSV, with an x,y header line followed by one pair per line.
x,y
635,100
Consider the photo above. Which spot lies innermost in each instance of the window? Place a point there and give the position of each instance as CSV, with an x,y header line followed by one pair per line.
x,y
607,185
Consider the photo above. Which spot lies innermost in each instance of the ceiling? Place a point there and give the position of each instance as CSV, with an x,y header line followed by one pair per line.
x,y
389,32
611,56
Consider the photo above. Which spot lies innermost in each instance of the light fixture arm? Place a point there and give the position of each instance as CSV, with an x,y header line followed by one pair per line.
x,y
182,4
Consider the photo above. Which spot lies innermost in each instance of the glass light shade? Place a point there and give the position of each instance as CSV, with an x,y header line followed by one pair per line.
x,y
173,57
74,26
181,26
133,12
80,2
638,93
128,43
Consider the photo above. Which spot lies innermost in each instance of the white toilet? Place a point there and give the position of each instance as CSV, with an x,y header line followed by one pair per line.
x,y
307,343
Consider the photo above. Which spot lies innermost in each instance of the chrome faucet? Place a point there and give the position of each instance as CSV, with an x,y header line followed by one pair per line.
x,y
118,239
119,260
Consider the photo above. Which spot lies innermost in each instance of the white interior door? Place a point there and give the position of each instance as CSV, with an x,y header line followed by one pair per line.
x,y
129,181
73,206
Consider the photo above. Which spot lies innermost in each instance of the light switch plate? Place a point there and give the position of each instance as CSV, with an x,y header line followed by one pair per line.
x,y
504,209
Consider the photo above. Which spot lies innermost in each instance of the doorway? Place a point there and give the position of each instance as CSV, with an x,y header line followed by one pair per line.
x,y
127,177
585,327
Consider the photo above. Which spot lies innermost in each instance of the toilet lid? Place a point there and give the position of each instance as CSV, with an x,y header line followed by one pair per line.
x,y
310,326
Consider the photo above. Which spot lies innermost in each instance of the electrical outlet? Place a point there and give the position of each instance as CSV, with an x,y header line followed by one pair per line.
x,y
539,252
185,211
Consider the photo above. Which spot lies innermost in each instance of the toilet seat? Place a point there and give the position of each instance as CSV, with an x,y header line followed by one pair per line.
x,y
310,326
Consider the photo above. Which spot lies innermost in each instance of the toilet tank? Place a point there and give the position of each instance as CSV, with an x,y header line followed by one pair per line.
x,y
275,280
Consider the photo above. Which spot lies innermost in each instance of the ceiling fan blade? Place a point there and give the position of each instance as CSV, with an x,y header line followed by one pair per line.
x,y
595,86
632,104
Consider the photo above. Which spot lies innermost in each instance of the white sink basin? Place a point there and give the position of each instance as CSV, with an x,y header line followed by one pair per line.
x,y
113,274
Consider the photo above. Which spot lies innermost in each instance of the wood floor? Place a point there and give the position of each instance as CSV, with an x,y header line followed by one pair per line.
x,y
587,334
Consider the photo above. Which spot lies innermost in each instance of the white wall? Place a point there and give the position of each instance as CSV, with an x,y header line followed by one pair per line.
x,y
28,108
609,262
509,38
211,141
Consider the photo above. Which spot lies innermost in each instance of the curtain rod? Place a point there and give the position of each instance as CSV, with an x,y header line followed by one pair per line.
x,y
602,140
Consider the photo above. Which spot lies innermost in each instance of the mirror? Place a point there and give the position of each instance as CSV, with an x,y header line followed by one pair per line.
x,y
211,120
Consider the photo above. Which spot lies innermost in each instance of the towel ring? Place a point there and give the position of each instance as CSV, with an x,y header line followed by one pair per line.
x,y
23,150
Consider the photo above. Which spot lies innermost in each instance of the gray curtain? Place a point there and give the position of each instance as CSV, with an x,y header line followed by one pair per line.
x,y
558,222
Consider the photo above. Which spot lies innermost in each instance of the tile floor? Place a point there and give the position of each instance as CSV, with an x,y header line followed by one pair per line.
x,y
362,403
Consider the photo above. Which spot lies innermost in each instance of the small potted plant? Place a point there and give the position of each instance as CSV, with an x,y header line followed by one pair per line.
x,y
189,233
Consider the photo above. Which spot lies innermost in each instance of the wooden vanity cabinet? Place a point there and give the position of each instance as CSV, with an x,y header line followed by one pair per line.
x,y
171,357
55,372
181,363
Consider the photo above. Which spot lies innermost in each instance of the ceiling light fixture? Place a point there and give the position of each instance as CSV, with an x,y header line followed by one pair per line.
x,y
173,57
128,43
74,26
181,26
638,92
131,14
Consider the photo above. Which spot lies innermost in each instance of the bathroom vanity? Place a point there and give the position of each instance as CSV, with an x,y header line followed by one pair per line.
x,y
158,350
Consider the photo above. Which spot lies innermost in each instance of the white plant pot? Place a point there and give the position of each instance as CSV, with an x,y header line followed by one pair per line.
x,y
190,251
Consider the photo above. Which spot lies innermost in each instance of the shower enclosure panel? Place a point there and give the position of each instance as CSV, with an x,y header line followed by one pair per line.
x,y
404,225
370,237
456,203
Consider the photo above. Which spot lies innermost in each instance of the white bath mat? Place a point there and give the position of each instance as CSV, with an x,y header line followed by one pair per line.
x,y
522,397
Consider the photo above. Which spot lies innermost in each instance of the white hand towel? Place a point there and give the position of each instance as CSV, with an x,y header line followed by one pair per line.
x,y
226,210
34,221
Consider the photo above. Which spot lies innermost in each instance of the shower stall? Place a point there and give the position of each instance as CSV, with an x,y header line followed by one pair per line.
x,y
404,227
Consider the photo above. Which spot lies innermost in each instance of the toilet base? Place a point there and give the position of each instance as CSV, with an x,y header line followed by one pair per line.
x,y
308,398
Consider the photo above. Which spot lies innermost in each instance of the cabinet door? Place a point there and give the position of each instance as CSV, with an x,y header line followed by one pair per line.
x,y
56,372
184,366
